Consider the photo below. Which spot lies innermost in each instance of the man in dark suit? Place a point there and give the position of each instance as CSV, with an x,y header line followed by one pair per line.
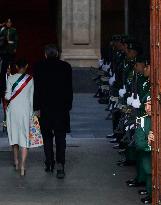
x,y
53,97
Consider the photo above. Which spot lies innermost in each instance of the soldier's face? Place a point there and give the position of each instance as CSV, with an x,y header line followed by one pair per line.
x,y
118,45
139,67
147,71
125,48
148,108
131,53
9,24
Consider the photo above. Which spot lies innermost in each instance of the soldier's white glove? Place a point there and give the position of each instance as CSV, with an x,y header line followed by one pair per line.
x,y
100,63
136,102
127,128
112,80
122,91
11,42
130,99
106,67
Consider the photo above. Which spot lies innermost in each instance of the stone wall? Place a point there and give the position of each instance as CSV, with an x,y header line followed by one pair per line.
x,y
81,32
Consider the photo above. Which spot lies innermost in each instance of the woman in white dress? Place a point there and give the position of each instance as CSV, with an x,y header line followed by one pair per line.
x,y
19,94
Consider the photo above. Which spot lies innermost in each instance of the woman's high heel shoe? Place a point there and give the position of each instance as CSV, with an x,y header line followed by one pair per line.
x,y
16,166
22,172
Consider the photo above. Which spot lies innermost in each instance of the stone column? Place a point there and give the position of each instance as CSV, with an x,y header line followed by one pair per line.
x,y
81,23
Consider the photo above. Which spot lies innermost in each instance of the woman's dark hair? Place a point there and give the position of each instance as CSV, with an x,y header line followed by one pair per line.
x,y
21,63
51,51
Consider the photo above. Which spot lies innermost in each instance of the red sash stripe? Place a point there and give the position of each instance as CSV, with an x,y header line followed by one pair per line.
x,y
21,88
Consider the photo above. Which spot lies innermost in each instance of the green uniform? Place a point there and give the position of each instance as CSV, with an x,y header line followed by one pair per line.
x,y
144,167
130,153
11,37
117,69
128,73
142,86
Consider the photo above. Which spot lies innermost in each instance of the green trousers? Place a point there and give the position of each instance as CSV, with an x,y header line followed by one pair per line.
x,y
130,154
147,166
140,172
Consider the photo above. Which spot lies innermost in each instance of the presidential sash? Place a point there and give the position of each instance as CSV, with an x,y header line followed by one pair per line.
x,y
19,85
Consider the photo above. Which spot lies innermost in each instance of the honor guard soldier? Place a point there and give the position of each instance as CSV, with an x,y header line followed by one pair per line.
x,y
11,37
140,87
143,145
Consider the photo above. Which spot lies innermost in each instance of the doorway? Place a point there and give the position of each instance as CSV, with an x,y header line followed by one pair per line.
x,y
36,23
112,21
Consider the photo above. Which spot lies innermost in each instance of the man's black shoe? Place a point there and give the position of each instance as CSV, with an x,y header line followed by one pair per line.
x,y
52,166
135,184
107,109
60,172
96,96
122,151
113,140
103,101
126,163
110,136
49,167
147,200
109,116
142,192
121,161
130,180
116,146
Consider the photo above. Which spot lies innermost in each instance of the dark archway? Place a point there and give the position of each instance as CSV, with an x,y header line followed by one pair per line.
x,y
139,23
36,22
112,21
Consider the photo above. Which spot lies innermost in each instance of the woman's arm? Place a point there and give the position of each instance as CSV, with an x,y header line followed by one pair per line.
x,y
8,90
31,96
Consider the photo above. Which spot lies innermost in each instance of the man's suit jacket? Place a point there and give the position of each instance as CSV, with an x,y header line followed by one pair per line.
x,y
53,93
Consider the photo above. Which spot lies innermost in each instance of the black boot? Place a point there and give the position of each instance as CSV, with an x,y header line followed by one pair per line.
x,y
142,192
147,200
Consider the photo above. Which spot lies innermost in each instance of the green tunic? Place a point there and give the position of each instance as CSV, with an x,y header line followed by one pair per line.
x,y
128,73
12,38
144,153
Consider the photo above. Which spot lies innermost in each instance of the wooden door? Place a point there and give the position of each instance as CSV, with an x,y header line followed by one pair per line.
x,y
155,7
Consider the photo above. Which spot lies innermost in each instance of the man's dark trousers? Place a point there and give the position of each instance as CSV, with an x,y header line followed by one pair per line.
x,y
60,141
50,130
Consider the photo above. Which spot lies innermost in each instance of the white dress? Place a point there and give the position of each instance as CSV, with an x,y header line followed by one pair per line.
x,y
19,112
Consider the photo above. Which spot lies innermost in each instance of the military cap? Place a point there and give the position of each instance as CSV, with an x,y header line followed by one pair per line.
x,y
147,62
116,37
141,59
129,40
124,38
134,46
147,98
9,20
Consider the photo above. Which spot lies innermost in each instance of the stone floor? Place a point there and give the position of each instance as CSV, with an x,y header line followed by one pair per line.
x,y
92,177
